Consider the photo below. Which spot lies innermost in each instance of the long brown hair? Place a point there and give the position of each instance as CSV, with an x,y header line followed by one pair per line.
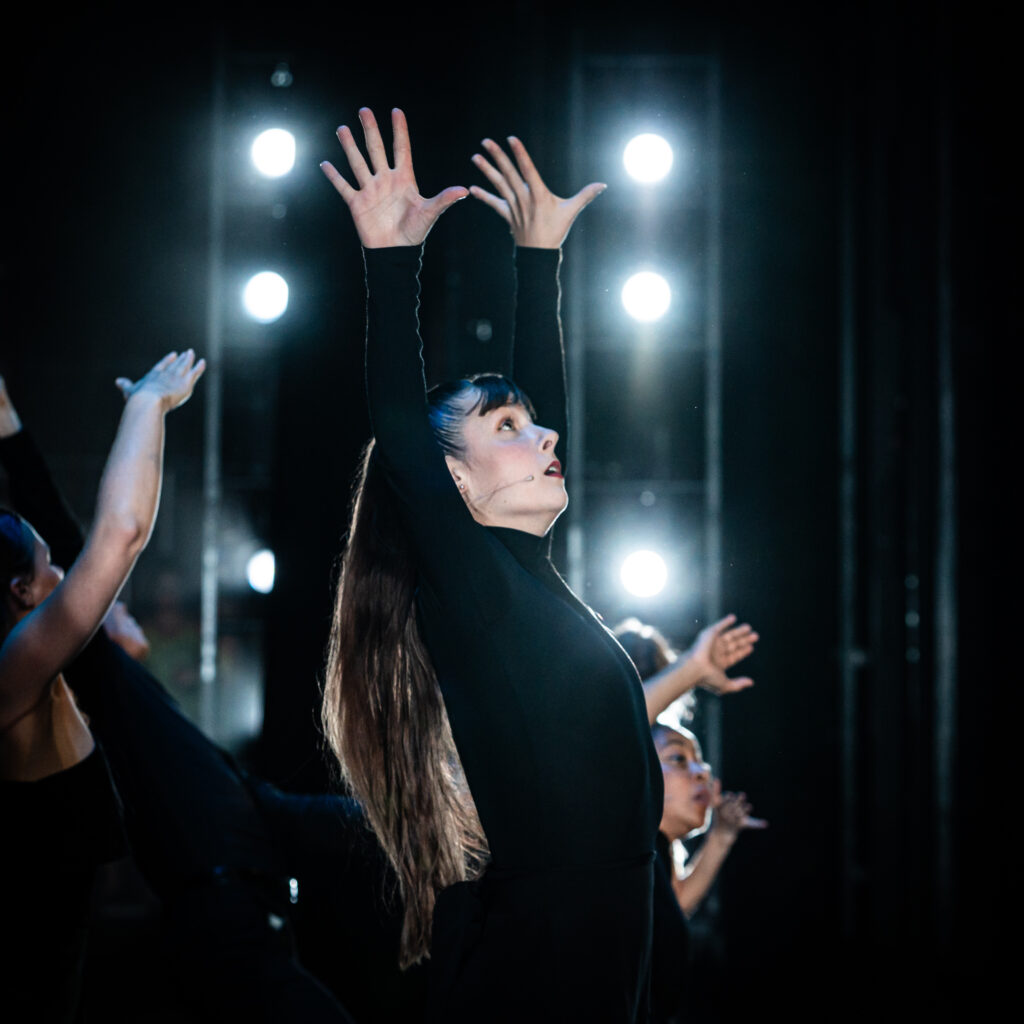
x,y
383,713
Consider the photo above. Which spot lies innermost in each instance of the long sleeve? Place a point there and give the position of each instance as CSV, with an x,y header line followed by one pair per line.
x,y
539,361
409,455
37,497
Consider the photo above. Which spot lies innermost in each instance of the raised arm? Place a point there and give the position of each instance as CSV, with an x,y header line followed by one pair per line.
x,y
392,219
50,633
731,817
717,648
539,222
33,490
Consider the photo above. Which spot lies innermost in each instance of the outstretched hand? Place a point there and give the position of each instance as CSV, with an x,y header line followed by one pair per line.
x,y
536,216
717,648
732,812
171,380
387,207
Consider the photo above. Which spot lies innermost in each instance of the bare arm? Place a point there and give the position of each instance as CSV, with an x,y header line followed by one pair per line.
x,y
732,816
53,632
716,649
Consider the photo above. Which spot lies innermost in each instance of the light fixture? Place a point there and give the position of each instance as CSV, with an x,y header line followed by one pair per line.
x,y
265,296
647,158
273,152
646,296
644,573
260,571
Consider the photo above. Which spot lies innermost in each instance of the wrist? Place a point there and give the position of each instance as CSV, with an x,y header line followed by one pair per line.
x,y
722,836
146,398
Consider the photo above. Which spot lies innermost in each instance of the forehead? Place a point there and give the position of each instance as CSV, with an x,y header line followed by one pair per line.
x,y
477,420
674,742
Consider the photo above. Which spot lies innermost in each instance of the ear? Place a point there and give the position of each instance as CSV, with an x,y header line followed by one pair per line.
x,y
21,592
457,468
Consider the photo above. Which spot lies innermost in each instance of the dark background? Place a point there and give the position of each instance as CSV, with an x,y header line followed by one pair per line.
x,y
862,155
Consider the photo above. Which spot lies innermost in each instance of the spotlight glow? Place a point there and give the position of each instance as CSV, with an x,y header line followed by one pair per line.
x,y
273,152
260,571
647,158
644,573
646,296
266,296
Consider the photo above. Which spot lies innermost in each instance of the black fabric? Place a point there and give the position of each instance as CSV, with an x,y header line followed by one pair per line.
x,y
194,827
56,832
546,709
671,958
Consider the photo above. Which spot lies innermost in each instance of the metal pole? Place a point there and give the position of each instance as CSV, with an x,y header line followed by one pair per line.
x,y
713,400
946,610
213,392
575,349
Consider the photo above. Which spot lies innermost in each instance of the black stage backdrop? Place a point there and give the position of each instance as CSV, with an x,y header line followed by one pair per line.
x,y
861,159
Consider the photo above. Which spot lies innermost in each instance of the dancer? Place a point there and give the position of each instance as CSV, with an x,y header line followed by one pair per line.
x,y
450,614
692,796
220,847
60,812
668,677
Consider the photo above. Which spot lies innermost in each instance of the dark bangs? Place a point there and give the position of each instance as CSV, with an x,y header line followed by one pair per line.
x,y
447,405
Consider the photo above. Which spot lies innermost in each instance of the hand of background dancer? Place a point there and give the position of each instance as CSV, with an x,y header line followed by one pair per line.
x,y
716,649
171,381
536,216
121,627
732,813
387,207
10,422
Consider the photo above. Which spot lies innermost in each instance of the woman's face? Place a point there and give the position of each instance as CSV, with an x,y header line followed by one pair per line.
x,y
508,473
687,785
29,593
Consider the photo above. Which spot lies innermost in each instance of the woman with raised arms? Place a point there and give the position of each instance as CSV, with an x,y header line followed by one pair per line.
x,y
59,813
492,727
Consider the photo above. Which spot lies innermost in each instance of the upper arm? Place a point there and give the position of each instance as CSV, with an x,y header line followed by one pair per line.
x,y
51,635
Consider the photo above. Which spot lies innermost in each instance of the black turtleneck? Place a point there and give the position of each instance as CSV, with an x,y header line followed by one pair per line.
x,y
546,709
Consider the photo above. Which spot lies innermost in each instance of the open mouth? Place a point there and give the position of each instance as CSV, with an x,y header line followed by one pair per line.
x,y
555,469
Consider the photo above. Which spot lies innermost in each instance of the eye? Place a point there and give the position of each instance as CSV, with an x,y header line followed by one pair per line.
x,y
507,424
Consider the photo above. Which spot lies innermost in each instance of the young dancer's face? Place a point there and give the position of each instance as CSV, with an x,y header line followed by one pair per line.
x,y
509,474
687,785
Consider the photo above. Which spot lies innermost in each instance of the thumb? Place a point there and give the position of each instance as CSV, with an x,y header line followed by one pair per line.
x,y
740,684
586,195
444,199
124,385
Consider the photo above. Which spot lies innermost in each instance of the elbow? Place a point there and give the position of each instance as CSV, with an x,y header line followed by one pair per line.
x,y
123,537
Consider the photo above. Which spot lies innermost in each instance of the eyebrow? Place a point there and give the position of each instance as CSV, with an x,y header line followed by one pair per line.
x,y
681,744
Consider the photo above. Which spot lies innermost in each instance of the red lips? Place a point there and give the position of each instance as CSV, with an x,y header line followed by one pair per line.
x,y
555,469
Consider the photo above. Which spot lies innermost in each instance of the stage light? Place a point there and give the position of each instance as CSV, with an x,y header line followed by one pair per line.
x,y
646,296
266,296
647,158
644,573
273,152
260,571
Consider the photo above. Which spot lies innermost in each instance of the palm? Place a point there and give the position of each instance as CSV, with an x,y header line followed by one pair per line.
x,y
387,208
535,215
718,648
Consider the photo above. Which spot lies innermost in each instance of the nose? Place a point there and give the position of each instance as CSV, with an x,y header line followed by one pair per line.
x,y
700,770
548,439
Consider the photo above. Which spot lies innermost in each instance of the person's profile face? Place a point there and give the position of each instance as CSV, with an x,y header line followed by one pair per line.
x,y
687,785
509,472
